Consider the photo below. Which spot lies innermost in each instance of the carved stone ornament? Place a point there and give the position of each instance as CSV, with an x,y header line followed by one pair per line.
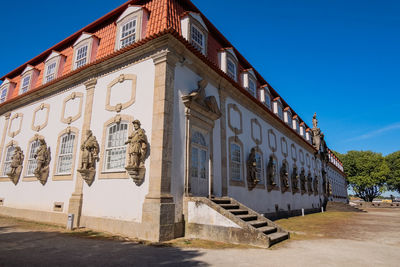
x,y
206,105
252,180
303,181
43,158
295,180
90,155
130,92
40,108
17,160
137,153
271,171
284,177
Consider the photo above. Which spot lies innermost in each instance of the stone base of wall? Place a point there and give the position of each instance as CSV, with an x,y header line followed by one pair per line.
x,y
377,205
286,214
35,215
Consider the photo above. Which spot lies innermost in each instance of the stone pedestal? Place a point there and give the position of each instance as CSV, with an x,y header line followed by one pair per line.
x,y
42,175
137,174
88,175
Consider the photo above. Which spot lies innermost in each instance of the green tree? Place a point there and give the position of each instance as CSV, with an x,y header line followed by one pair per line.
x,y
367,173
393,161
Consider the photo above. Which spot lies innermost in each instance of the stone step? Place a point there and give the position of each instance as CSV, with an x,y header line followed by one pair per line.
x,y
247,217
267,229
277,237
221,201
258,223
229,206
239,212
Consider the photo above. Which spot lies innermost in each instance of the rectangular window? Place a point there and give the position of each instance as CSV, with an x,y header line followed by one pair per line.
x,y
115,147
252,88
65,155
259,168
3,95
7,161
51,72
197,38
231,69
280,113
267,100
236,162
25,84
31,159
128,33
81,56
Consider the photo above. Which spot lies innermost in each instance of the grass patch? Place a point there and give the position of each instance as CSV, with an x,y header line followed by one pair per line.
x,y
317,225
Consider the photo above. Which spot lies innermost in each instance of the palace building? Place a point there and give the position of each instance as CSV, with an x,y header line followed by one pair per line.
x,y
149,123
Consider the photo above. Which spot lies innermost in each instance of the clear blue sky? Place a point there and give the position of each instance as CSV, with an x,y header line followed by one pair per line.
x,y
339,58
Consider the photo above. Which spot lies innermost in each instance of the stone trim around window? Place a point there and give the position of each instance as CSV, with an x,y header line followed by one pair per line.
x,y
6,178
37,128
116,174
234,107
256,140
15,116
66,177
26,178
71,119
236,140
120,79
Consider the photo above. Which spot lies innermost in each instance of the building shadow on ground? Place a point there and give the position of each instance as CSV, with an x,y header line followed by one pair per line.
x,y
58,249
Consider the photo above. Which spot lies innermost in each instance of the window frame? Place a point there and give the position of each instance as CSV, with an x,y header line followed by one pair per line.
x,y
234,63
30,177
252,80
261,174
28,86
2,89
86,58
234,182
131,13
134,34
49,63
3,173
201,48
66,176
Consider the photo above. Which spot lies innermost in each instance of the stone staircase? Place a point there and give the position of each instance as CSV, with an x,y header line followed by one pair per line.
x,y
252,219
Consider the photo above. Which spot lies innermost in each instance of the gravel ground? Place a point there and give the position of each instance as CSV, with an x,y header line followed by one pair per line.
x,y
373,240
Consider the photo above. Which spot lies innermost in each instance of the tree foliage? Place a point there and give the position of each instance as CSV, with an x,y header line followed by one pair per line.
x,y
393,161
367,173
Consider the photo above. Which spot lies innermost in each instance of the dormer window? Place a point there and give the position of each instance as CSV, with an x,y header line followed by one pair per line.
x,y
3,94
296,125
249,82
25,84
288,116
85,49
28,80
131,26
265,96
278,110
231,69
302,129
195,31
54,65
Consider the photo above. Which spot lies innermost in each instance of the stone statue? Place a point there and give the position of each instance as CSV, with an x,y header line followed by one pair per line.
x,y
138,152
303,181
316,133
17,160
43,158
315,185
90,155
137,149
309,183
295,177
271,171
284,176
252,169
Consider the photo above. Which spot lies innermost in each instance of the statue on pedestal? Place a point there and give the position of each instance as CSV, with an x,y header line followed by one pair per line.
x,y
16,165
271,171
90,155
316,133
137,151
295,177
252,169
43,158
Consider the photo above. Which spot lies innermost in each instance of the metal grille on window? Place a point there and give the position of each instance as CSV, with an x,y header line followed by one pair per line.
x,y
25,84
115,147
197,39
65,155
50,73
128,33
31,159
236,162
7,161
81,55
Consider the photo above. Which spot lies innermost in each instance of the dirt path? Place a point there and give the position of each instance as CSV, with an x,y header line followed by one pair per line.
x,y
358,239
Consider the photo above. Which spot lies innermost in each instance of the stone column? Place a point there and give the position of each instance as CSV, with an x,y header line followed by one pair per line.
x,y
3,137
158,214
76,199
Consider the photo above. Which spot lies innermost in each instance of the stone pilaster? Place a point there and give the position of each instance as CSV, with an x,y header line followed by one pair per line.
x,y
159,208
3,137
224,164
76,199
